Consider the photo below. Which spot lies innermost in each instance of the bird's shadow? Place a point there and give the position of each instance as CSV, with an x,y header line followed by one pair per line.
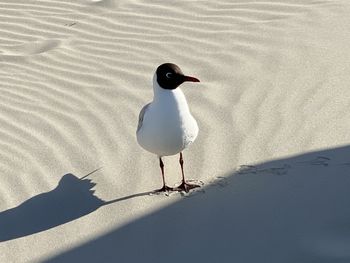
x,y
71,199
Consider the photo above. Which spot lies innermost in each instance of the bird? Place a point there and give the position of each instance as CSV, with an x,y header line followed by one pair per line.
x,y
166,126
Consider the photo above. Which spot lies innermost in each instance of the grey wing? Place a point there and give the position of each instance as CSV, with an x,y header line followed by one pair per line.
x,y
141,115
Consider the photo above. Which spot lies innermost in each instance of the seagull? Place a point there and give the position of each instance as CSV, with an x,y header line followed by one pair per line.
x,y
166,126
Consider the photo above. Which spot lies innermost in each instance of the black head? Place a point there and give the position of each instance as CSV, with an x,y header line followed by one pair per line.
x,y
170,76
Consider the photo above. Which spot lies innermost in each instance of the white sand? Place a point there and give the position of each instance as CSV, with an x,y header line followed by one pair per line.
x,y
274,87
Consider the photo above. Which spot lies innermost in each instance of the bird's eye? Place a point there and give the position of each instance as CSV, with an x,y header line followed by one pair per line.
x,y
169,75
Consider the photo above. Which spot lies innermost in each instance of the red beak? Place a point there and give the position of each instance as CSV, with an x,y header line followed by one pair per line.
x,y
192,79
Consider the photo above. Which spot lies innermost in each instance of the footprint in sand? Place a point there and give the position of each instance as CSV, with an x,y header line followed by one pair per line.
x,y
247,169
278,170
251,169
319,160
220,181
30,48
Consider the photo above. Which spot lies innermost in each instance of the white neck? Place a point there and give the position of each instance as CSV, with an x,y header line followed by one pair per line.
x,y
161,95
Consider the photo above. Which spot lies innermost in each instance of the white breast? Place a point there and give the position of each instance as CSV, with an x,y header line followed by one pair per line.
x,y
168,126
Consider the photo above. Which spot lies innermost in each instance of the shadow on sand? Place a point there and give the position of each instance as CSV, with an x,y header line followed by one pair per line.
x,y
70,200
289,210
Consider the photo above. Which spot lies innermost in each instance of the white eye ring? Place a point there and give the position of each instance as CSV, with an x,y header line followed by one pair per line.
x,y
168,75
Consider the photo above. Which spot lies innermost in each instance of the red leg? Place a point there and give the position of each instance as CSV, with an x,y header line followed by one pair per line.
x,y
165,188
184,186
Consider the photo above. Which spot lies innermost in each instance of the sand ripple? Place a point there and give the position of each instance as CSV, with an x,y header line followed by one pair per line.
x,y
74,75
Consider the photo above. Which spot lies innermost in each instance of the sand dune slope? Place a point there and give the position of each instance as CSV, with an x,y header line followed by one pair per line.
x,y
74,75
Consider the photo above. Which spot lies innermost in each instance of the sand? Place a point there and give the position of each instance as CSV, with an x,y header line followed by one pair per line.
x,y
273,149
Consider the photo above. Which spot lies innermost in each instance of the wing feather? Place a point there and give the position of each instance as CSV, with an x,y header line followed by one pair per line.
x,y
141,115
